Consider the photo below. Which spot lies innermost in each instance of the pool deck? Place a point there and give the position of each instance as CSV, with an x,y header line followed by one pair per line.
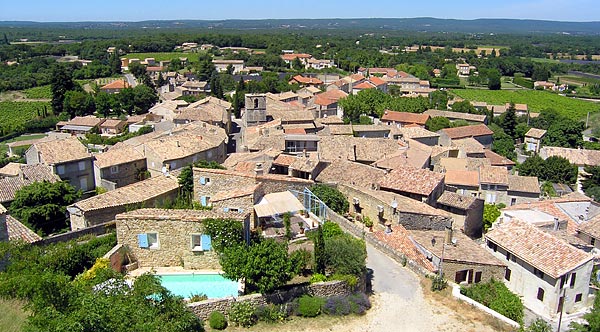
x,y
169,270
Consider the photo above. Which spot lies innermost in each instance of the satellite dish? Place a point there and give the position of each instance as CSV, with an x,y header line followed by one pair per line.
x,y
394,204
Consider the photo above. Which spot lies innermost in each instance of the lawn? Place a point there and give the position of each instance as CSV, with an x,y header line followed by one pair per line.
x,y
13,316
537,100
161,56
4,148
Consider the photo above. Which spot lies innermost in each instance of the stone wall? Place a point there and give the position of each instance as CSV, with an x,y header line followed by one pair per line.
x,y
117,257
126,174
322,289
488,272
101,229
174,243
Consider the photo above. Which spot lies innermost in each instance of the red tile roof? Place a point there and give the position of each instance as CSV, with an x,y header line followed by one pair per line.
x,y
541,250
307,80
363,86
468,131
118,84
399,240
412,180
329,97
293,56
405,117
376,80
462,178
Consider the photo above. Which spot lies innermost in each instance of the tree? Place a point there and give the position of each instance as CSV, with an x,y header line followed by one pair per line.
x,y
565,132
437,123
161,81
144,97
78,103
43,205
297,64
204,67
591,182
104,103
61,82
345,254
540,72
115,63
464,106
493,77
491,212
215,85
332,197
539,325
264,266
439,99
320,258
225,233
532,166
509,121
559,170
137,69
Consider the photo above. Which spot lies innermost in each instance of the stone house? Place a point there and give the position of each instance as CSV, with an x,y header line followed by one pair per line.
x,y
589,232
549,274
119,166
194,88
418,134
104,207
306,81
327,104
464,261
68,158
115,86
468,212
420,184
358,149
80,125
533,139
216,183
22,175
480,132
462,182
222,65
13,230
162,238
523,189
305,166
112,127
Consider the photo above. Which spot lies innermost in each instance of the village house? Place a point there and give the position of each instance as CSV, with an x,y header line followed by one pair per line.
x,y
467,212
319,64
289,58
480,132
121,165
359,149
469,148
13,230
68,158
346,83
112,127
194,88
16,176
167,110
115,86
418,134
163,238
578,157
306,81
464,69
211,110
415,155
462,182
420,184
80,125
454,116
498,160
533,139
327,104
103,208
402,119
550,275
222,65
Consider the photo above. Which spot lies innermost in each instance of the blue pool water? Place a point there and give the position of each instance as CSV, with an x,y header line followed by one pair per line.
x,y
213,285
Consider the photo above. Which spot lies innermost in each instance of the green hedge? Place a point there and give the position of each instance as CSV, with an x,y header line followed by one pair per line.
x,y
496,296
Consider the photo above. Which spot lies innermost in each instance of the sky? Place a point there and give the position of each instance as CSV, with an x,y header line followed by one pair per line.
x,y
123,10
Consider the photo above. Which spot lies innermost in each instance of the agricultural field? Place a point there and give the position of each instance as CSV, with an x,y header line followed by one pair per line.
x,y
14,113
537,100
13,316
161,56
38,92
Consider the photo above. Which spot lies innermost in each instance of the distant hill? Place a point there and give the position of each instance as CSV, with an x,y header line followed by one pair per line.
x,y
511,26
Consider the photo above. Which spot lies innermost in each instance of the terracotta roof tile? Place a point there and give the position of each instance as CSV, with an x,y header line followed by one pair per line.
x,y
61,151
307,80
405,117
118,84
284,160
399,240
180,215
468,131
87,121
469,145
541,250
497,160
364,85
456,200
580,157
493,175
231,193
456,115
19,232
536,133
351,173
117,155
462,178
329,97
412,180
524,184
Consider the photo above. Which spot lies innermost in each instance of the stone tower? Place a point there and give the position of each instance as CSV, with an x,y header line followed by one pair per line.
x,y
256,109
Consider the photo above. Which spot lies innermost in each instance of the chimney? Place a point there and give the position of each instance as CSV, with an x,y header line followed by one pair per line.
x,y
258,170
177,144
448,237
354,152
304,153
556,224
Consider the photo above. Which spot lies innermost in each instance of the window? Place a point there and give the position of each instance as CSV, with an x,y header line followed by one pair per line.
x,y
510,257
490,198
148,240
513,201
460,276
593,241
507,274
60,169
578,298
81,165
204,200
538,273
114,169
201,242
540,294
209,154
477,276
83,183
573,276
255,103
173,165
492,246
204,180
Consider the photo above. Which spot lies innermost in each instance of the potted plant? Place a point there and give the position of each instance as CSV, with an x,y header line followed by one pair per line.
x,y
368,223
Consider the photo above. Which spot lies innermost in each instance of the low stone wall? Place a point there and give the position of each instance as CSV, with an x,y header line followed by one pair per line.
x,y
456,293
116,256
94,230
321,289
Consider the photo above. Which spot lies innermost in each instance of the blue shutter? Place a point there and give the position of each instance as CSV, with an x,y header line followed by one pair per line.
x,y
226,209
202,180
206,242
203,200
143,240
240,210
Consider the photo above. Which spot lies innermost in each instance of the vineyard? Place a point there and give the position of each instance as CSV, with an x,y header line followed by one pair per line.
x,y
536,100
16,114
39,92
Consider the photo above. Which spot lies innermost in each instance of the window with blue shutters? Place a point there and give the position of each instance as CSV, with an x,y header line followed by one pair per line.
x,y
143,240
206,242
202,180
201,242
225,209
204,200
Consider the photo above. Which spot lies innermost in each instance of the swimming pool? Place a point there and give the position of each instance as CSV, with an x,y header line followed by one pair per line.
x,y
212,285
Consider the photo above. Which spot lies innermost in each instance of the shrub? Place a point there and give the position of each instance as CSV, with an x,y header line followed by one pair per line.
x,y
198,297
317,277
332,197
217,320
359,303
337,306
438,283
496,296
301,260
331,229
242,314
309,306
351,280
271,313
345,255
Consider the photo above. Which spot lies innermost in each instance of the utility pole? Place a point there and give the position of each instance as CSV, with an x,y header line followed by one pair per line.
x,y
561,303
